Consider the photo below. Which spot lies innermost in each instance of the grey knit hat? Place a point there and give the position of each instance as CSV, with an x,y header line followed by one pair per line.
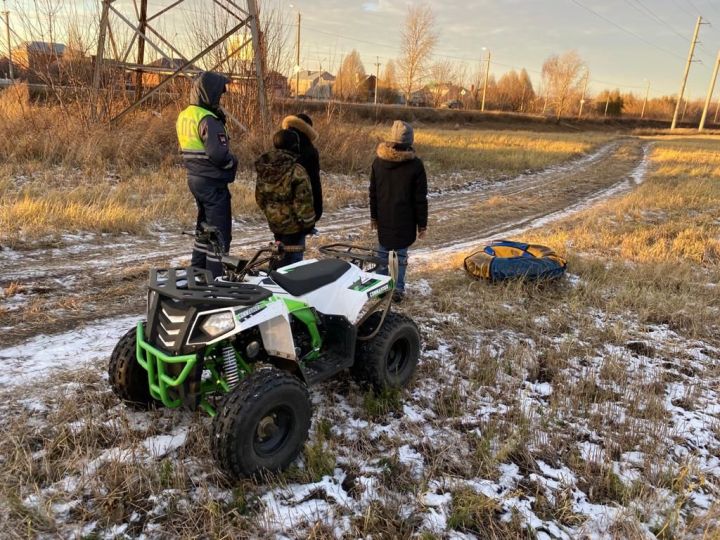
x,y
401,133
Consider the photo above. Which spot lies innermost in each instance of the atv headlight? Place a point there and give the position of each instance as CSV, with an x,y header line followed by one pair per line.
x,y
218,323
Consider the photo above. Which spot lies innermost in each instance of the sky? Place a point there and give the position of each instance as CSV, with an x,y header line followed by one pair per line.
x,y
625,43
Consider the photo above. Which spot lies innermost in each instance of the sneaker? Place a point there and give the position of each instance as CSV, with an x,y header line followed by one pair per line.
x,y
398,296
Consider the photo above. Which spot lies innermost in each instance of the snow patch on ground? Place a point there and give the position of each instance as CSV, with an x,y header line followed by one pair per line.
x,y
43,354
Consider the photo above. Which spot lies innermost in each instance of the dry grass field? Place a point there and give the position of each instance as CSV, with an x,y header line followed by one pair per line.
x,y
583,408
61,173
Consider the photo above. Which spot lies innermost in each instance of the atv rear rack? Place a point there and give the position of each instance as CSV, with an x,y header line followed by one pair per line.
x,y
197,285
367,259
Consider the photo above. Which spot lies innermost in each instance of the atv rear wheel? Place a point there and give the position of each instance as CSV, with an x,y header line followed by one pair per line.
x,y
128,378
388,360
262,424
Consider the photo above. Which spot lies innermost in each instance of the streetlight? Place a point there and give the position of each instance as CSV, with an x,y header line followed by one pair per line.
x,y
297,56
9,46
487,76
647,94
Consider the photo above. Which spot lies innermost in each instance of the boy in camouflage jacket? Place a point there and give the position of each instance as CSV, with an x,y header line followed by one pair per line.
x,y
283,193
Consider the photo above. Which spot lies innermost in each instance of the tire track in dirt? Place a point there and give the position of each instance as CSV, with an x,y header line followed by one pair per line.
x,y
96,280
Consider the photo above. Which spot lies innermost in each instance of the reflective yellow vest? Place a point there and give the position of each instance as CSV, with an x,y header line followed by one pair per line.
x,y
188,133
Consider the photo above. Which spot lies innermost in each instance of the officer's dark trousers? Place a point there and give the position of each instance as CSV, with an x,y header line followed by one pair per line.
x,y
213,203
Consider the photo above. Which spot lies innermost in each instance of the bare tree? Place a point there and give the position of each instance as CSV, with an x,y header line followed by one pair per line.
x,y
418,42
387,86
349,77
444,77
514,91
562,78
528,92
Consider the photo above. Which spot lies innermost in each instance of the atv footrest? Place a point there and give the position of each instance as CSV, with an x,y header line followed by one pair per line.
x,y
324,368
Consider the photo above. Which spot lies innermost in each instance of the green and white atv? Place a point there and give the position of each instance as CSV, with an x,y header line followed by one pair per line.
x,y
246,347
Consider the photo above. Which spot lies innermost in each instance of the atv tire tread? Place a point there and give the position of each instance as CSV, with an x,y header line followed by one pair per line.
x,y
243,403
369,367
128,379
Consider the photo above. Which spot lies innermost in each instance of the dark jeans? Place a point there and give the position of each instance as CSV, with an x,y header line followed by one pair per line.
x,y
213,203
294,239
402,265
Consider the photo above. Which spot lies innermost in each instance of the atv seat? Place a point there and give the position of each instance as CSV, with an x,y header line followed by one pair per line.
x,y
310,277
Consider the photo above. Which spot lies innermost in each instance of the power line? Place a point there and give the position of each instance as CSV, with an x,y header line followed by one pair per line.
x,y
682,7
649,12
630,32
694,7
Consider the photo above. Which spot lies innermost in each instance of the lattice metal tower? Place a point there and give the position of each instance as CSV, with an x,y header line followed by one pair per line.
x,y
145,33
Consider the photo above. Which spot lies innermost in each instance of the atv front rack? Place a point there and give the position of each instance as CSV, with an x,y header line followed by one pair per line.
x,y
366,258
198,286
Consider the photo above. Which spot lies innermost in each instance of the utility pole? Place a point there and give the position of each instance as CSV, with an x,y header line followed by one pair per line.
x,y
717,110
101,44
584,90
259,63
647,95
687,72
297,61
607,104
485,83
9,46
141,49
713,79
377,77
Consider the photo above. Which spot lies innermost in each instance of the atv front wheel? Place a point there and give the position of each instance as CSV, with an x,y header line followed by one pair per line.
x,y
128,378
388,360
262,424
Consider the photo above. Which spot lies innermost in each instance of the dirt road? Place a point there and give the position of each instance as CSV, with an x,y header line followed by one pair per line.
x,y
57,289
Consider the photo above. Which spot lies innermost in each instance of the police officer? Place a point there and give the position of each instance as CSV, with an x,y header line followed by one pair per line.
x,y
210,164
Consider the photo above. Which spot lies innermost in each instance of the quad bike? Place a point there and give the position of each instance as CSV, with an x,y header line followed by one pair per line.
x,y
245,347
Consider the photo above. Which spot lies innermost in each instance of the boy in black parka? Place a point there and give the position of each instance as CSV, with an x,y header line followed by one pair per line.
x,y
398,198
309,157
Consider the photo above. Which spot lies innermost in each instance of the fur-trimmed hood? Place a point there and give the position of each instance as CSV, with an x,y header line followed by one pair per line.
x,y
388,152
294,122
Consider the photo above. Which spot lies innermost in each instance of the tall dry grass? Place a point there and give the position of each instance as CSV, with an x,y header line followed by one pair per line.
x,y
673,218
62,172
501,152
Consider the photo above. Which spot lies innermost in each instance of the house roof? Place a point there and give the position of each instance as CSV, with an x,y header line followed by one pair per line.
x,y
172,63
306,75
44,47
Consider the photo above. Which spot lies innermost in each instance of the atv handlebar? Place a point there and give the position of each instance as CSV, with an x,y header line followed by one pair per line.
x,y
363,257
235,268
269,255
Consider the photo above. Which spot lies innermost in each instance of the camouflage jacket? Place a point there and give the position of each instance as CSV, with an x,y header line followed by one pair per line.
x,y
283,192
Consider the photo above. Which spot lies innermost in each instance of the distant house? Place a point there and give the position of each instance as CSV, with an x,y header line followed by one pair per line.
x,y
277,84
421,98
445,93
159,70
313,84
37,56
366,89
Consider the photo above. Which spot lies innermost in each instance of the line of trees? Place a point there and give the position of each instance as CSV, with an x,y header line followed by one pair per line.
x,y
562,90
416,77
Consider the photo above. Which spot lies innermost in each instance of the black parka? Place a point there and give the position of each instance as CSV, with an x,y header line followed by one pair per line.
x,y
309,158
398,196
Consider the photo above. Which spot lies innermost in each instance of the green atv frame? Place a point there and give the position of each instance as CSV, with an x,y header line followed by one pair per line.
x,y
257,397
